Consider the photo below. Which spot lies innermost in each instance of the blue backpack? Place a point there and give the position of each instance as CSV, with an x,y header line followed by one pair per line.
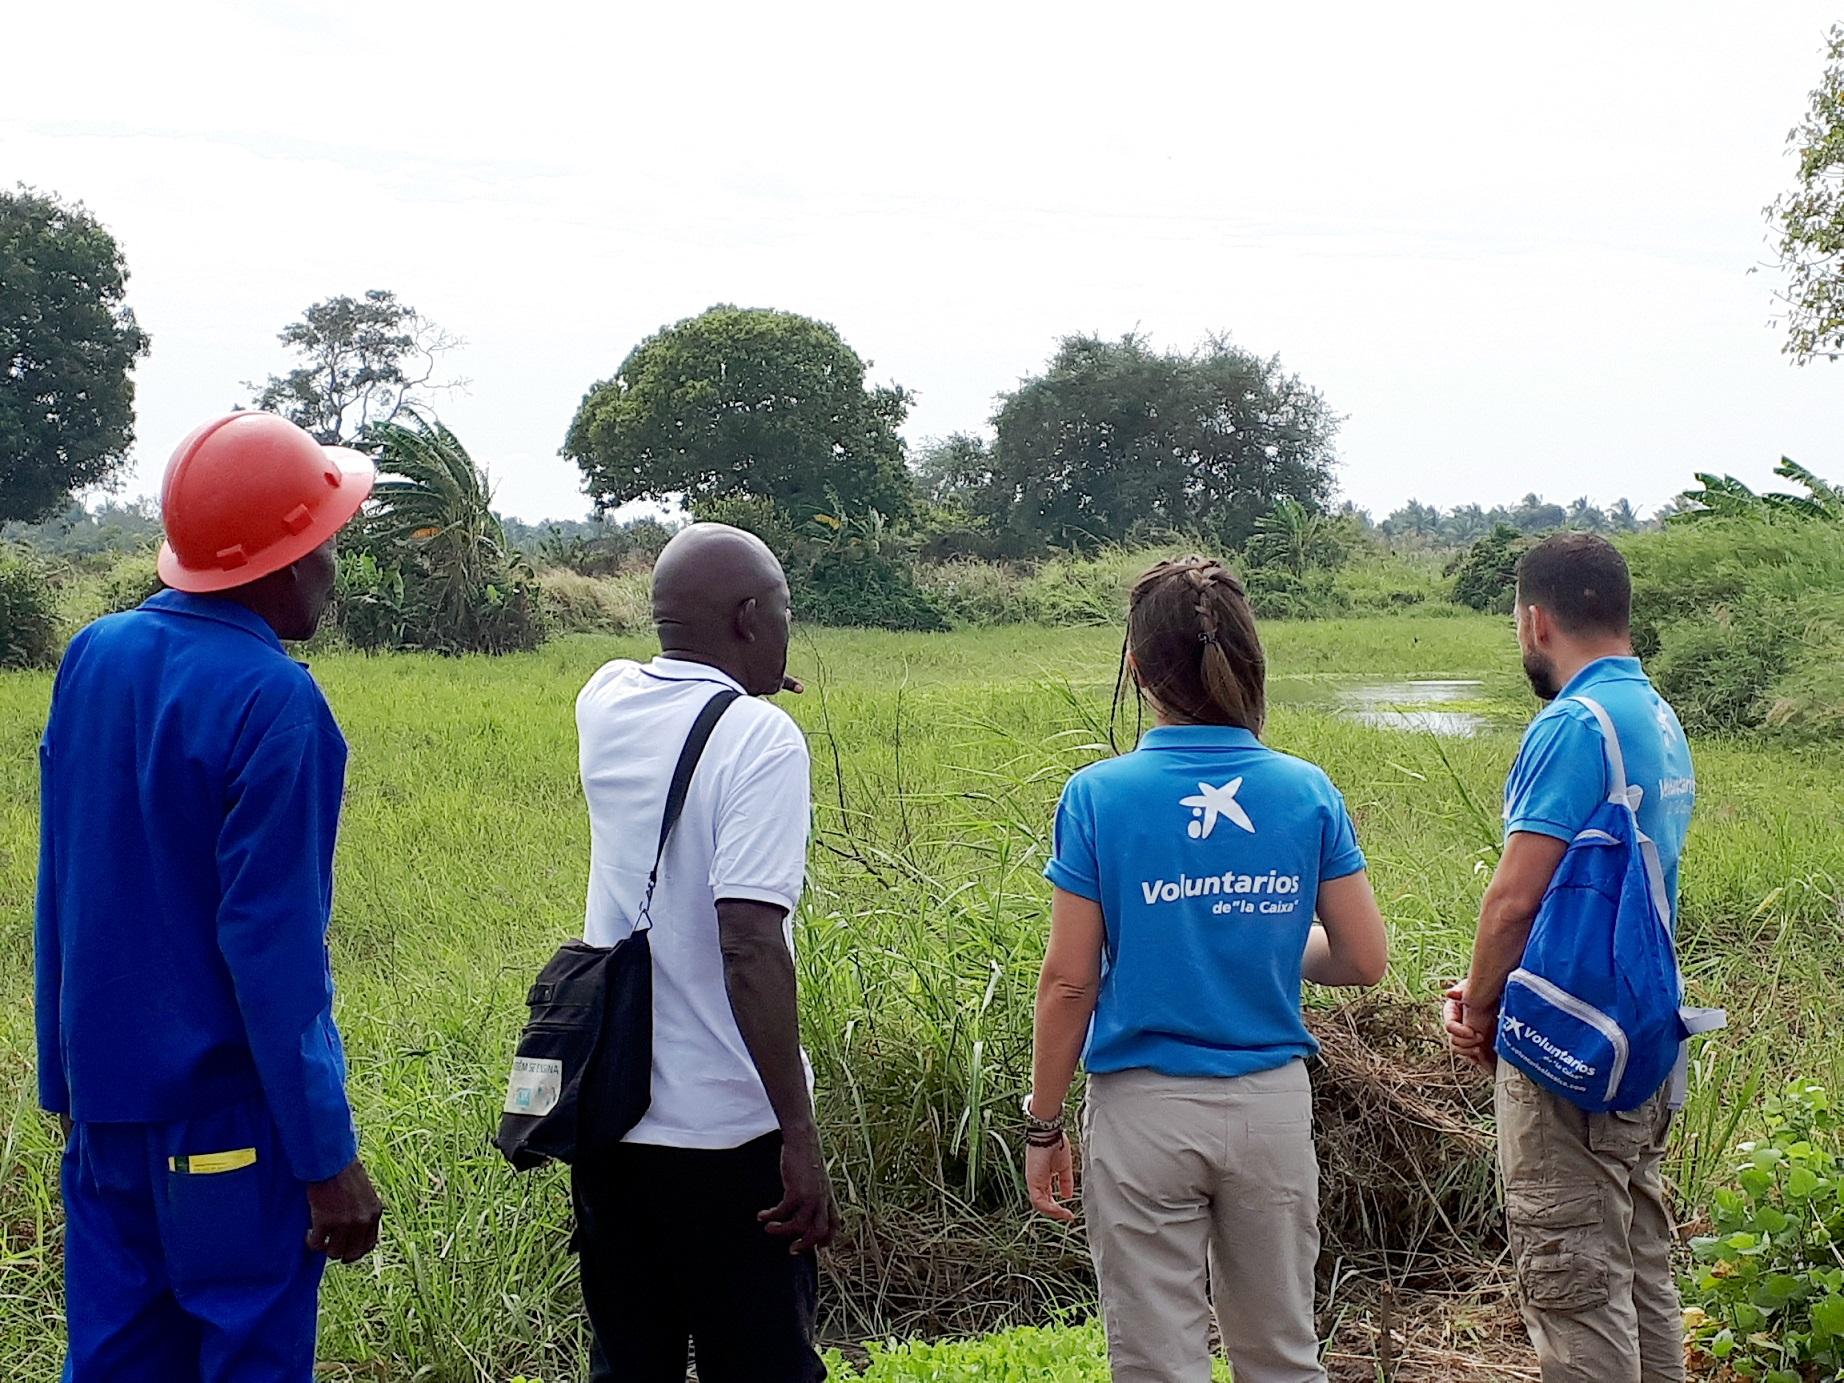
x,y
1595,1012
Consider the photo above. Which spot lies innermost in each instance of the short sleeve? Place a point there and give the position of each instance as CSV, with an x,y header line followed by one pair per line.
x,y
762,824
1073,866
1339,855
1559,779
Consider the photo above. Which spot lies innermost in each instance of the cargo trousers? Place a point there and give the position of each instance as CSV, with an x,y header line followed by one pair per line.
x,y
1187,1171
1591,1234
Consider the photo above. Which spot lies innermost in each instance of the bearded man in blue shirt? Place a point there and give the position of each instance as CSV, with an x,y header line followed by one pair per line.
x,y
191,776
1585,1202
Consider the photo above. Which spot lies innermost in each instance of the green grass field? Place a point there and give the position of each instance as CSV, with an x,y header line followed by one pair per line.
x,y
937,762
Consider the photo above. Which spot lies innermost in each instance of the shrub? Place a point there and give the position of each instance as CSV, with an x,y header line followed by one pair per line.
x,y
867,588
1278,592
844,570
597,604
602,548
1743,621
1767,1293
129,583
1719,672
29,630
1070,590
1066,1354
1485,578
977,594
121,583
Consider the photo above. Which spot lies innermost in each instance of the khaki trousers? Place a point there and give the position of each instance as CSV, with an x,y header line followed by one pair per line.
x,y
1591,1233
1181,1173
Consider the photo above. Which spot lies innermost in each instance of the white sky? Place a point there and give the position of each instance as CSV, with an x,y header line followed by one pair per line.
x,y
1511,243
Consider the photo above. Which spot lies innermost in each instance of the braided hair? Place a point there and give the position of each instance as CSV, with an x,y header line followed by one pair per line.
x,y
1191,637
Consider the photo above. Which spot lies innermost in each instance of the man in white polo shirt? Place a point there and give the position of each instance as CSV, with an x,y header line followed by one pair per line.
x,y
703,1228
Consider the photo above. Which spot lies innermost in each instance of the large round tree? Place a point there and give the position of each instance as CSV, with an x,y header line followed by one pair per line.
x,y
744,403
67,344
1115,437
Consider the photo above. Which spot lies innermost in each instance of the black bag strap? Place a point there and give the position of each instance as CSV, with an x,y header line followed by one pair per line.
x,y
695,742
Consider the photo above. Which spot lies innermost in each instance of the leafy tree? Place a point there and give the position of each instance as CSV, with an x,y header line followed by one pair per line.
x,y
67,344
954,469
1809,221
1485,577
1297,540
1413,520
1115,436
595,547
745,404
1723,496
1621,518
364,362
1465,524
1585,517
1533,514
1359,520
430,566
111,528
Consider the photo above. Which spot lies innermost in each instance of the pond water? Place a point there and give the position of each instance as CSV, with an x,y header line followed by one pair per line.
x,y
1444,707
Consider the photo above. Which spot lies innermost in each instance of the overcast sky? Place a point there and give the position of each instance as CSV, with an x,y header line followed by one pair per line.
x,y
1510,243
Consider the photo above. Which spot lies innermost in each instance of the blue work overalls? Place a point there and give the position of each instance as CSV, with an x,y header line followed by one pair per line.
x,y
191,776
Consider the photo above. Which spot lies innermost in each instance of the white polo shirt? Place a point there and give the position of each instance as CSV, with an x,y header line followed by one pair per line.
x,y
743,836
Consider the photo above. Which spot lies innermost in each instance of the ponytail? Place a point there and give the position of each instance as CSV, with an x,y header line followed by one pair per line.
x,y
1192,637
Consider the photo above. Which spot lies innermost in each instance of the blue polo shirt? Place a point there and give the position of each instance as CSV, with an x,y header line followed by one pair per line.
x,y
1206,850
191,775
1561,773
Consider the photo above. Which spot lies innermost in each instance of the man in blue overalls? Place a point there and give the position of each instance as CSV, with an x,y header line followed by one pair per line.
x,y
191,776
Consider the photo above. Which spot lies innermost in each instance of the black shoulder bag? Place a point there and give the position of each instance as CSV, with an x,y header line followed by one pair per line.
x,y
582,1075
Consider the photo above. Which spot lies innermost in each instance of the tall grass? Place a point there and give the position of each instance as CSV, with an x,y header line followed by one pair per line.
x,y
937,761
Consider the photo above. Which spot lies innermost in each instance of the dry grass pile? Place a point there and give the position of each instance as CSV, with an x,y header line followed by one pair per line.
x,y
1408,1191
1475,1336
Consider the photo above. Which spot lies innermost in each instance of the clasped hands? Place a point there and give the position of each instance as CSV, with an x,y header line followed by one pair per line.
x,y
1471,1032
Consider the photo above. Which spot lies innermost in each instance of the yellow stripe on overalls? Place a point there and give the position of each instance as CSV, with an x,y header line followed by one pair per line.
x,y
206,1164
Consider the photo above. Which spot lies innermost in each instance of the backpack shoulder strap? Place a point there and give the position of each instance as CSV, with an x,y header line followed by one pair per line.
x,y
708,715
1616,761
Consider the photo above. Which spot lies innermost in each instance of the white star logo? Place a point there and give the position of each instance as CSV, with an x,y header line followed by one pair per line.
x,y
1667,725
1213,803
1511,1026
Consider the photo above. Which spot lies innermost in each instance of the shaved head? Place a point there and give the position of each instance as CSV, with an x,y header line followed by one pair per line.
x,y
720,597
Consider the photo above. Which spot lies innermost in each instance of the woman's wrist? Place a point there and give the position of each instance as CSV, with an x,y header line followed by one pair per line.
x,y
1040,1131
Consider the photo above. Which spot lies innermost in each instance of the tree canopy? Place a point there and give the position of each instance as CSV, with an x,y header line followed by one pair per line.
x,y
364,361
67,345
1116,438
1809,221
1723,496
745,404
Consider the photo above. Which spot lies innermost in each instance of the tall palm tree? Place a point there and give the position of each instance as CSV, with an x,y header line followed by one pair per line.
x,y
432,501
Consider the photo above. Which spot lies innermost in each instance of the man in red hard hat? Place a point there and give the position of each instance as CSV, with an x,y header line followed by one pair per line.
x,y
191,776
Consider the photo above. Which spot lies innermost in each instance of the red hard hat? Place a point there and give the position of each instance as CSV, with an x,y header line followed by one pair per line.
x,y
249,494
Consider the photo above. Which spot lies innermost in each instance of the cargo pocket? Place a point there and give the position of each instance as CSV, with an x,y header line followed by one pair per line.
x,y
1558,1237
1626,1133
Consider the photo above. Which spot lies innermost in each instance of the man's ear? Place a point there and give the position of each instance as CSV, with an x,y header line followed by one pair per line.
x,y
746,620
1542,628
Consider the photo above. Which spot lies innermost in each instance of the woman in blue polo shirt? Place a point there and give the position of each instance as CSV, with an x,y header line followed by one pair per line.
x,y
1187,876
